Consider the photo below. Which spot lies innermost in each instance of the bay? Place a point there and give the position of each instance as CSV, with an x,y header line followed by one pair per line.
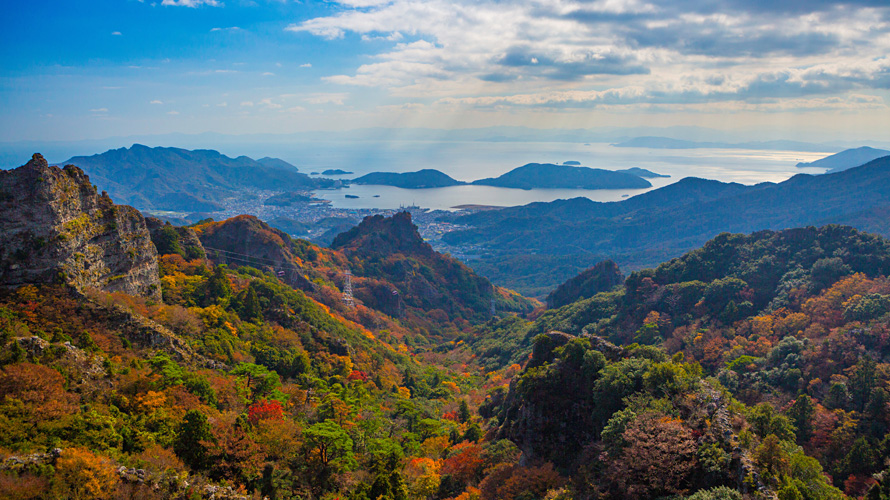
x,y
468,161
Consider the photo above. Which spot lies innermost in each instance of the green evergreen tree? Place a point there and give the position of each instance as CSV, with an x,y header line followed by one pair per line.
x,y
463,412
191,438
251,309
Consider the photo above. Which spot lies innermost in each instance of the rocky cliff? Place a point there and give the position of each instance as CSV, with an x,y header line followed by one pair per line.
x,y
56,227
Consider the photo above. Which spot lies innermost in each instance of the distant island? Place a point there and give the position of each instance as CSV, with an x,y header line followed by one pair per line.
x,y
335,171
286,199
352,196
529,176
572,162
642,172
846,159
422,179
669,143
550,176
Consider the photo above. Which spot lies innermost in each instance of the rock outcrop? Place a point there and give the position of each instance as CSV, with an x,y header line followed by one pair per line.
x,y
170,239
56,227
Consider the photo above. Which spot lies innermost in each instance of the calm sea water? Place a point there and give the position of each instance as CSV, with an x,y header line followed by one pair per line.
x,y
468,161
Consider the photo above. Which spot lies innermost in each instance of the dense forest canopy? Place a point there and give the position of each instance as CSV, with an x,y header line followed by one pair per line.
x,y
753,367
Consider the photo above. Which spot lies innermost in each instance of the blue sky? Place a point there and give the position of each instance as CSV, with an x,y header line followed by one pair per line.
x,y
768,69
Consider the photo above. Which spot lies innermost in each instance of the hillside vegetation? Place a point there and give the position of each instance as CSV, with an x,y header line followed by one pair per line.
x,y
755,367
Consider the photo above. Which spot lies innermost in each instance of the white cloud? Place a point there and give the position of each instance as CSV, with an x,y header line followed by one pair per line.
x,y
581,52
116,33
327,98
306,65
231,28
191,3
173,112
99,110
268,104
222,104
156,102
247,103
268,73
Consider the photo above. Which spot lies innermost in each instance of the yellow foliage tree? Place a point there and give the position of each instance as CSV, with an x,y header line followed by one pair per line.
x,y
82,475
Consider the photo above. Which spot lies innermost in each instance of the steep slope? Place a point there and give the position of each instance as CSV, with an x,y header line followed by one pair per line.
x,y
180,179
392,249
793,323
57,228
847,159
647,229
602,277
393,272
277,163
247,241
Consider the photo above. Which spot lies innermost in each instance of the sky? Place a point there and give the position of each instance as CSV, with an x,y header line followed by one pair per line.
x,y
765,69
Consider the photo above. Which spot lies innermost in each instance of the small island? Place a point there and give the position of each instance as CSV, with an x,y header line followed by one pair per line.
x,y
335,171
422,179
287,199
550,176
572,163
352,196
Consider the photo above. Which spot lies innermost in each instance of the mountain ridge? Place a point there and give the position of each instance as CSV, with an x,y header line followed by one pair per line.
x,y
187,180
659,224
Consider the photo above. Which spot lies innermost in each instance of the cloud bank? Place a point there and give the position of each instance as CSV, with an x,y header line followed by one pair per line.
x,y
581,53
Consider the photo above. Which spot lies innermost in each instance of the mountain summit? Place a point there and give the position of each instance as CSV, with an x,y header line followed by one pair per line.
x,y
181,179
57,227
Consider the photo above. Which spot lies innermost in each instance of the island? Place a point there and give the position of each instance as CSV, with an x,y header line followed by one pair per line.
x,y
287,199
550,176
335,171
572,162
352,196
642,172
422,179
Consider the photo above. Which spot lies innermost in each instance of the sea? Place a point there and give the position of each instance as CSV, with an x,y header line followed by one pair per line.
x,y
468,161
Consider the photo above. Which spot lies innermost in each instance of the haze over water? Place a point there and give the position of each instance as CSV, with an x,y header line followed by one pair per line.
x,y
468,161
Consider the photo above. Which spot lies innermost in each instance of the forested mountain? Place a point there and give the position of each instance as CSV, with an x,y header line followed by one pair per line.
x,y
550,176
180,179
847,159
649,228
754,367
794,324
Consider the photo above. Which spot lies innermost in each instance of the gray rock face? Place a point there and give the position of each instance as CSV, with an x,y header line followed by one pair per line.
x,y
55,227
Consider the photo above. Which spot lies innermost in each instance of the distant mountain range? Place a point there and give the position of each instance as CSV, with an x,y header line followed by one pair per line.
x,y
663,223
655,142
184,180
847,159
529,176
